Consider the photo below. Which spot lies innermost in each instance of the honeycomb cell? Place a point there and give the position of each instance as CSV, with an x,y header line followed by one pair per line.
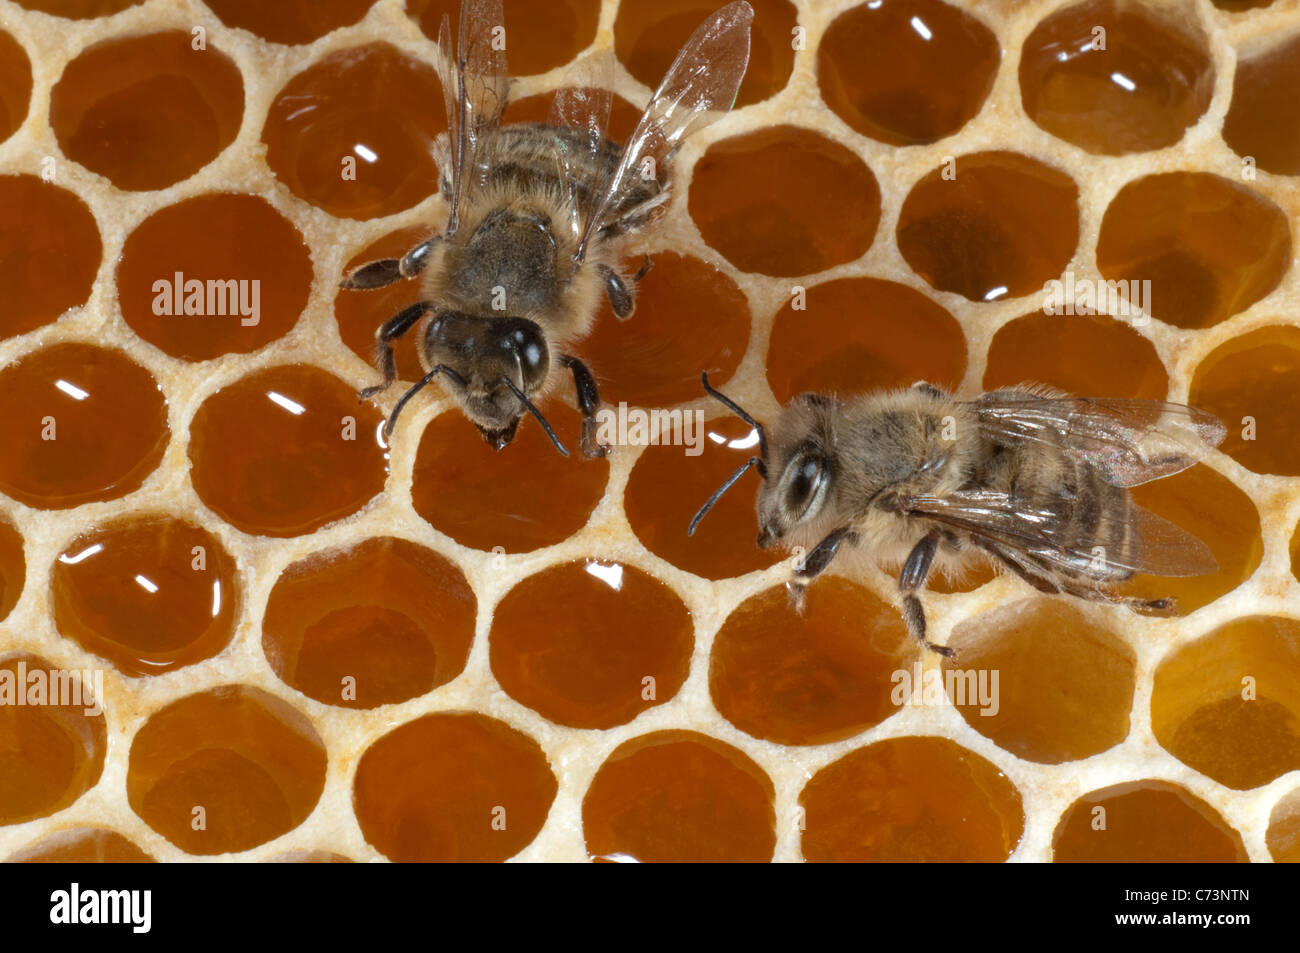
x,y
81,845
1283,836
79,423
15,85
690,317
856,335
1208,246
49,252
911,800
1235,6
371,624
309,857
453,786
1252,383
647,37
591,644
13,568
990,225
286,450
1042,680
539,36
519,499
1264,113
667,486
148,593
907,72
1145,822
784,201
352,134
813,678
147,111
680,796
79,9
1228,705
294,21
213,275
1212,508
1137,86
1089,355
225,770
52,737
1295,552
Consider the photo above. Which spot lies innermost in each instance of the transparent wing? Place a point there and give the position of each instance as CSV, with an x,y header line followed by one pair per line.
x,y
580,118
698,88
1129,442
1153,544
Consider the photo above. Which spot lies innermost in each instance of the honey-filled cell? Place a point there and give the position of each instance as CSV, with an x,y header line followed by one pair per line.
x,y
13,567
907,72
15,85
79,9
289,21
1264,114
811,678
370,624
147,111
1295,552
784,201
539,36
1283,836
679,797
452,786
908,800
1143,822
591,644
250,765
81,845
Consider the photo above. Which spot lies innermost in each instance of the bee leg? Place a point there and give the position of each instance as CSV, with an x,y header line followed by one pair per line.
x,y
588,402
389,271
925,387
391,329
915,571
1008,559
620,296
814,563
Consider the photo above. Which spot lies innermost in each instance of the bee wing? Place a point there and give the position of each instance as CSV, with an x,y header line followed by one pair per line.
x,y
1129,442
700,85
475,85
1155,546
580,118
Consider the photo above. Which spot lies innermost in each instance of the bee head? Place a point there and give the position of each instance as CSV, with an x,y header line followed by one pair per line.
x,y
800,473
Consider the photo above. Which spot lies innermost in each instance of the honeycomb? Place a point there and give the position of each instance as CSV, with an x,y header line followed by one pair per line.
x,y
314,646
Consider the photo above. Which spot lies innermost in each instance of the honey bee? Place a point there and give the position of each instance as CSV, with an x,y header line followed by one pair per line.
x,y
1029,478
537,214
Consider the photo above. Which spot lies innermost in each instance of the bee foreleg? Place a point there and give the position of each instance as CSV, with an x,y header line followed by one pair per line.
x,y
814,563
588,402
620,296
389,271
390,330
915,571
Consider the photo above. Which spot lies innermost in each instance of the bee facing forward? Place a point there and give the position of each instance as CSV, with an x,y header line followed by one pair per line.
x,y
1029,478
536,214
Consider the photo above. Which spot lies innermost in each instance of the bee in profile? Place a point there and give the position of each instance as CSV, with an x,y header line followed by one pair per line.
x,y
1027,477
537,212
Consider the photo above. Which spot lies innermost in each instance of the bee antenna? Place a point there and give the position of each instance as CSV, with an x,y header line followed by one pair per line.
x,y
708,505
740,412
415,389
528,404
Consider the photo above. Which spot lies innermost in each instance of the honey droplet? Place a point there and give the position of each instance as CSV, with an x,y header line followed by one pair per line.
x,y
784,201
50,754
1264,112
15,85
990,225
813,678
1064,685
81,845
911,800
690,317
289,21
49,252
680,797
371,624
1283,837
79,9
453,786
213,275
1208,246
591,644
352,134
519,499
666,488
13,568
647,37
1145,822
858,335
147,111
539,36
1252,383
150,594
225,770
908,71
1227,704
79,423
1088,355
285,451
1134,86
